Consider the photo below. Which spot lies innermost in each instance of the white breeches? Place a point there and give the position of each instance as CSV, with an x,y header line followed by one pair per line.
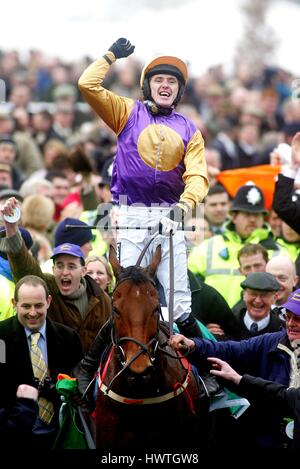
x,y
132,242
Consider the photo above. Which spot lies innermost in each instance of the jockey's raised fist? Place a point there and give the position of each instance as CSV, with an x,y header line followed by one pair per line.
x,y
122,48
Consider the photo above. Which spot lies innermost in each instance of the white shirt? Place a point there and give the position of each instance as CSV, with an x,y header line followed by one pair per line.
x,y
261,324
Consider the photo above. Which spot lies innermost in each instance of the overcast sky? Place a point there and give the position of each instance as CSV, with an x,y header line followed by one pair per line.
x,y
198,31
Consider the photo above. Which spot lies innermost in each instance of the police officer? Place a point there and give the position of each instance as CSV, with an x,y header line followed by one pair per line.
x,y
216,259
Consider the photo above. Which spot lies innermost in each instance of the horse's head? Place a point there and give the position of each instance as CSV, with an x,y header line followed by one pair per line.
x,y
136,312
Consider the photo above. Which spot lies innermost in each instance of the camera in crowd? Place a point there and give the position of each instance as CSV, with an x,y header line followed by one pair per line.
x,y
46,388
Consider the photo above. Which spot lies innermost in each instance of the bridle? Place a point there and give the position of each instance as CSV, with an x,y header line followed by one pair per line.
x,y
178,387
144,348
149,349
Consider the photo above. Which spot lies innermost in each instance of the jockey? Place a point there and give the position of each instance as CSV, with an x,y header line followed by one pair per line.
x,y
159,172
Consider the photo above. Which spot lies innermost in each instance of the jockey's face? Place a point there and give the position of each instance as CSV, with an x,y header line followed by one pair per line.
x,y
164,89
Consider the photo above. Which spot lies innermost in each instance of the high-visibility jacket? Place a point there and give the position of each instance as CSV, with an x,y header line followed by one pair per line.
x,y
216,259
7,289
293,249
99,246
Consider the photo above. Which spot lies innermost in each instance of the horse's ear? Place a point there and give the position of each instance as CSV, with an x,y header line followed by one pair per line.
x,y
114,260
152,268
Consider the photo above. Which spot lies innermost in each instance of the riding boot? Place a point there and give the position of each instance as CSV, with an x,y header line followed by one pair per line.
x,y
189,327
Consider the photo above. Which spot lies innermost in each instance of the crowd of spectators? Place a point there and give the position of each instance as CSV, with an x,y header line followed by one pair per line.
x,y
56,159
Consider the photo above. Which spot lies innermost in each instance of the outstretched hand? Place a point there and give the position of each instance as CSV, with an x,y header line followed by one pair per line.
x,y
224,370
180,342
215,329
122,48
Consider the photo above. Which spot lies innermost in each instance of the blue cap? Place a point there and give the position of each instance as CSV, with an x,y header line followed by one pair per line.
x,y
68,248
293,303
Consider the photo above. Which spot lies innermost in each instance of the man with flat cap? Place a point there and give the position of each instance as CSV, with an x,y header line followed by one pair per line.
x,y
275,357
259,294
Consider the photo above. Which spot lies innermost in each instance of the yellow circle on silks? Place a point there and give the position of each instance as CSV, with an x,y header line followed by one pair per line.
x,y
160,147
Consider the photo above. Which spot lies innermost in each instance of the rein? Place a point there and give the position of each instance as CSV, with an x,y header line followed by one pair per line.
x,y
178,388
144,348
171,275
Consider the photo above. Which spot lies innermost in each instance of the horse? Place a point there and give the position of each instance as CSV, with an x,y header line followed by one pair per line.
x,y
148,395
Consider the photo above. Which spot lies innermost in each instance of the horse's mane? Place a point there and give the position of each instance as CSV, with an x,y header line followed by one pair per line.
x,y
134,273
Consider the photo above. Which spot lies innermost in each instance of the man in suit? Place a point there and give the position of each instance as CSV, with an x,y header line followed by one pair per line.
x,y
59,345
77,300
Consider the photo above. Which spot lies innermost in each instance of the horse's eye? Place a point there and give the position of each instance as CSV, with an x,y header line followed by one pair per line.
x,y
117,294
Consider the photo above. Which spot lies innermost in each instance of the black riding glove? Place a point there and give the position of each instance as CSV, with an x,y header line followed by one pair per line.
x,y
122,48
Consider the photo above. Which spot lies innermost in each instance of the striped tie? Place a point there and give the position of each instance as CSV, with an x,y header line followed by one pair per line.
x,y
39,367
